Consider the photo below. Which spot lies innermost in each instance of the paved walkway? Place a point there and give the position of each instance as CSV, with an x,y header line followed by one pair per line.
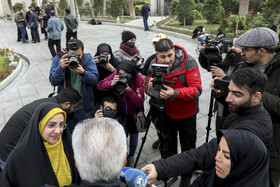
x,y
35,84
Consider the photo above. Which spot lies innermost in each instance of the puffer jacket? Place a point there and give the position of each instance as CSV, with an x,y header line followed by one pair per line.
x,y
187,88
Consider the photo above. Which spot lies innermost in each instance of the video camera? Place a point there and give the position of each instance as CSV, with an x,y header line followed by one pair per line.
x,y
215,48
103,59
73,57
158,72
122,83
138,61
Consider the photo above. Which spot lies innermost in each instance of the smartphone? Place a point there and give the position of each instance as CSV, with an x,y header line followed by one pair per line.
x,y
221,84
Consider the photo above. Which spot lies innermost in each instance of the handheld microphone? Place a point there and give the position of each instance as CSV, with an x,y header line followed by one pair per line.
x,y
135,178
122,176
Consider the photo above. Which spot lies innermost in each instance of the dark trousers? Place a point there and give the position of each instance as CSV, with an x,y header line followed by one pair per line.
x,y
19,35
35,34
70,34
74,118
145,20
51,44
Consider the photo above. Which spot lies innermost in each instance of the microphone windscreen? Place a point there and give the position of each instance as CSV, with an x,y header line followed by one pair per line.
x,y
122,178
135,178
201,38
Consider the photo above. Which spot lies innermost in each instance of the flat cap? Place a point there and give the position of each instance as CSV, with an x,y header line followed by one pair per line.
x,y
260,37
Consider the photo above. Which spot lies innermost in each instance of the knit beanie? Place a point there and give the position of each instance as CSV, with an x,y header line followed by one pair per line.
x,y
127,35
128,66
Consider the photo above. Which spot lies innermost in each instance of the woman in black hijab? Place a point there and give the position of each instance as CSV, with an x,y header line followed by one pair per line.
x,y
106,65
44,153
241,161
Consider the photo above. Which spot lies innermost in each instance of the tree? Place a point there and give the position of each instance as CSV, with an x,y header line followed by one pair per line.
x,y
185,14
117,6
77,9
98,6
11,8
271,13
173,7
243,7
63,4
131,9
91,8
212,11
55,8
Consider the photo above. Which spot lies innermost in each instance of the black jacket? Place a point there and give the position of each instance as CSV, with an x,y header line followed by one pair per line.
x,y
256,120
271,102
14,128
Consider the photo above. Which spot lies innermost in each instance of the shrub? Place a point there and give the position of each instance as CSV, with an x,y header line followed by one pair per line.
x,y
173,7
17,6
199,7
184,9
197,15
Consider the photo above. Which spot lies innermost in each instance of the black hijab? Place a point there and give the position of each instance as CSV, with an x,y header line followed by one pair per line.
x,y
106,47
249,162
29,163
128,66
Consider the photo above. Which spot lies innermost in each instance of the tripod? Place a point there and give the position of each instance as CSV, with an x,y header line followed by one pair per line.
x,y
164,141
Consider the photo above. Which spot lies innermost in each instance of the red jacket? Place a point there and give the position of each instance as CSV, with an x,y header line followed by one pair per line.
x,y
185,103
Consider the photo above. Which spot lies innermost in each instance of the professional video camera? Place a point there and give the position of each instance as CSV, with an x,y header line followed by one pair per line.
x,y
215,48
73,57
122,83
103,59
158,72
108,112
138,61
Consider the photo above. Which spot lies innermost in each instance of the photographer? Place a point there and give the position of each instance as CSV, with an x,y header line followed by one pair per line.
x,y
106,65
224,70
78,70
107,108
181,98
128,50
128,84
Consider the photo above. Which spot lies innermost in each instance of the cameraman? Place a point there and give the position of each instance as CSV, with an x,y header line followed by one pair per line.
x,y
181,99
106,65
228,66
82,78
128,85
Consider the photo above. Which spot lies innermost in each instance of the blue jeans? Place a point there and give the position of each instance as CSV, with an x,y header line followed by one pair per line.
x,y
23,33
133,141
145,20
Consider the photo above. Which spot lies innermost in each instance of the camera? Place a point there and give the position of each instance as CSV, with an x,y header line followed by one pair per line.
x,y
221,84
108,112
138,61
158,72
73,57
122,83
103,59
215,48
73,60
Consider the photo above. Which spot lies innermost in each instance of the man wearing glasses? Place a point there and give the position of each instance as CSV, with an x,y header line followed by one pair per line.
x,y
259,49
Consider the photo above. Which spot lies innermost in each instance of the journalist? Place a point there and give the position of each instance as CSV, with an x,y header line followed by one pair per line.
x,y
100,151
75,69
246,89
181,99
33,24
224,70
107,108
128,85
259,49
106,65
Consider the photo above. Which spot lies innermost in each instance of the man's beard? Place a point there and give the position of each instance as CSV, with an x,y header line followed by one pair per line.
x,y
241,108
233,58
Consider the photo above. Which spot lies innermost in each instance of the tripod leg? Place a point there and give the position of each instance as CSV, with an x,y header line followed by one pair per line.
x,y
210,115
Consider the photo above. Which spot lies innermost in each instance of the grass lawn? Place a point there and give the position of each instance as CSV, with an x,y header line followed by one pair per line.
x,y
196,23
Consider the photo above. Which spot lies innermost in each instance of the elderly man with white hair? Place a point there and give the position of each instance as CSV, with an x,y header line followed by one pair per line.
x,y
100,151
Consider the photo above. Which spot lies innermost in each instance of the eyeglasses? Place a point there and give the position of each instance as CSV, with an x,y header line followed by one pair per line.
x,y
60,126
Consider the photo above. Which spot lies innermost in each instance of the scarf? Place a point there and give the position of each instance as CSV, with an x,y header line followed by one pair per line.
x,y
56,152
130,51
